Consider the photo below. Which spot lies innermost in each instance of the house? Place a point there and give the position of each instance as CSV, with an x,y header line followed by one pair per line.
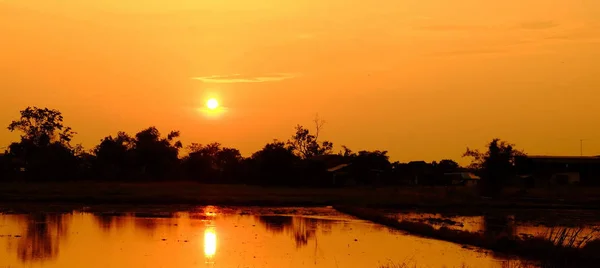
x,y
336,166
337,172
540,171
462,178
421,172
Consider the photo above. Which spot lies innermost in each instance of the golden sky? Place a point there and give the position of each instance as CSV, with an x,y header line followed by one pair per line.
x,y
422,79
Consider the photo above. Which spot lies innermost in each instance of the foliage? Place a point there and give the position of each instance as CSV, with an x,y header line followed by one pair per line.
x,y
496,165
446,166
114,157
274,162
44,152
42,127
212,162
306,145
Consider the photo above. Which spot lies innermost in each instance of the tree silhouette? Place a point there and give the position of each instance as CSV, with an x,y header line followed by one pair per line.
x,y
306,145
447,166
44,151
156,157
347,153
274,162
42,127
212,163
114,157
368,166
496,165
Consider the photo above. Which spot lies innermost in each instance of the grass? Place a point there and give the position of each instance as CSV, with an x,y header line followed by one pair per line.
x,y
211,194
557,246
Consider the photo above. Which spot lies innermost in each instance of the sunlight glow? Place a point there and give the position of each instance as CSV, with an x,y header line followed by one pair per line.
x,y
212,104
210,211
210,242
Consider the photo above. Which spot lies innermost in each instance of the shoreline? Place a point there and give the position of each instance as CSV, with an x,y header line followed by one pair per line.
x,y
189,193
533,248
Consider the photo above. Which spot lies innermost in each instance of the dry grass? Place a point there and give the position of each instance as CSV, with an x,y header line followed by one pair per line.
x,y
570,237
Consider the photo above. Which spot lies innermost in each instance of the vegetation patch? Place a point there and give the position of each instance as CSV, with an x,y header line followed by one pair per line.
x,y
559,246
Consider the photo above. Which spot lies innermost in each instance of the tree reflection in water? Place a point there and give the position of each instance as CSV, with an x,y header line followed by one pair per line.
x,y
108,221
301,229
149,222
42,236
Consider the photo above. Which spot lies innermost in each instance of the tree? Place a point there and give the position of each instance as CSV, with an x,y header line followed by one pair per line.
x,y
114,156
346,152
446,166
368,166
44,151
274,163
496,165
42,126
156,157
211,163
306,145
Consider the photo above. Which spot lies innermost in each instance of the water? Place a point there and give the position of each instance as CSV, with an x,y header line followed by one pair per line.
x,y
515,223
219,237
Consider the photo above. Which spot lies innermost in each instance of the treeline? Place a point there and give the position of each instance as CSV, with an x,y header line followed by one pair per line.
x,y
45,153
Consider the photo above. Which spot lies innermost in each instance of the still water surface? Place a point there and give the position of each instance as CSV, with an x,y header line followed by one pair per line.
x,y
220,237
515,223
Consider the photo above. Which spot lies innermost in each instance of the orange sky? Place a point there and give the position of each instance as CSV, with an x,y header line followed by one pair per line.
x,y
422,79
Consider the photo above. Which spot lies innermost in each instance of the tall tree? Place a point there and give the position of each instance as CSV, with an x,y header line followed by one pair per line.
x,y
156,157
446,166
41,126
44,151
114,156
307,145
369,166
275,163
212,162
496,165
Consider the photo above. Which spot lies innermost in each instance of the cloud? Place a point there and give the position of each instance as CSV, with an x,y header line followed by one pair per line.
x,y
238,78
538,25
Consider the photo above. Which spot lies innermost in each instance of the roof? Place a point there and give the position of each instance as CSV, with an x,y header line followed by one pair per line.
x,y
338,167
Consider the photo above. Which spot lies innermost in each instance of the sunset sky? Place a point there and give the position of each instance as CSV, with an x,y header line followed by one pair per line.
x,y
422,79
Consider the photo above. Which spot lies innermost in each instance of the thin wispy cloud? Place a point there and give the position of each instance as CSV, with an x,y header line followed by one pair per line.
x,y
239,78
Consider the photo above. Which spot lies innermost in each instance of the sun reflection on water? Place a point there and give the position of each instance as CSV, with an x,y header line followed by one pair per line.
x,y
210,242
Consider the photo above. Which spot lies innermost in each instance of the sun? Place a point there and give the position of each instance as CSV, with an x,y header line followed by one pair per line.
x,y
212,104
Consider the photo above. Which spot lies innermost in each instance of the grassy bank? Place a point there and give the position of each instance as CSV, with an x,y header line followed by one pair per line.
x,y
210,194
551,248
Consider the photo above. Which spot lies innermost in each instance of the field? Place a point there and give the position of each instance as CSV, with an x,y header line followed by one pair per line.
x,y
214,194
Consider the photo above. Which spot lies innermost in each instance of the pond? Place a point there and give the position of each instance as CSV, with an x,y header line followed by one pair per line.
x,y
211,236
